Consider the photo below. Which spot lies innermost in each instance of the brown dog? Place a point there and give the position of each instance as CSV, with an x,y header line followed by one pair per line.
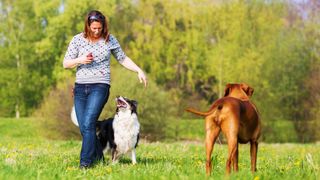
x,y
238,119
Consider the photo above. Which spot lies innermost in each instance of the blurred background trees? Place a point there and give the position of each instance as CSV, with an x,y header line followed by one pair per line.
x,y
190,50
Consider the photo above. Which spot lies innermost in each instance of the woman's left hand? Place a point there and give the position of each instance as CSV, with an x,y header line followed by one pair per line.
x,y
142,78
129,64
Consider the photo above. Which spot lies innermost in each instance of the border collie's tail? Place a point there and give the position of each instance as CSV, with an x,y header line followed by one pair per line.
x,y
74,116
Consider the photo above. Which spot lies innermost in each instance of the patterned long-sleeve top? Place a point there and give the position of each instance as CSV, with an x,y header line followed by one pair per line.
x,y
99,70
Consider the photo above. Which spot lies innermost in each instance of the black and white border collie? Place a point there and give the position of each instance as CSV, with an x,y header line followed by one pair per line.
x,y
119,134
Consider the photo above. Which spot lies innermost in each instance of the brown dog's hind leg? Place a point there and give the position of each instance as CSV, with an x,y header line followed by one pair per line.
x,y
232,149
235,159
211,136
253,155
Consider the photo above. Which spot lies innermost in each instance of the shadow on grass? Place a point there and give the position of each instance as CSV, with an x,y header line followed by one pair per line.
x,y
140,160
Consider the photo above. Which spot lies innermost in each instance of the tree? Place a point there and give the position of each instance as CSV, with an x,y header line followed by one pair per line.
x,y
25,75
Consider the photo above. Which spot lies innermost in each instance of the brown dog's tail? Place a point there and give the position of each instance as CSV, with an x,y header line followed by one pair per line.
x,y
198,112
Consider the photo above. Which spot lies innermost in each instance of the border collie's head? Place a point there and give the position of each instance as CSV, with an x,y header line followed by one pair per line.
x,y
125,104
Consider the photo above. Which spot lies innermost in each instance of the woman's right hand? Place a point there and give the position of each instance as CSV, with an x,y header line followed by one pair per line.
x,y
86,59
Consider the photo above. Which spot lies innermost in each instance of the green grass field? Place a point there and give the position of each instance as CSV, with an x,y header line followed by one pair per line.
x,y
24,155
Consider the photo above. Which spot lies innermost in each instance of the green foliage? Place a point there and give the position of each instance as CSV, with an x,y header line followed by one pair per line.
x,y
25,75
170,45
234,42
191,48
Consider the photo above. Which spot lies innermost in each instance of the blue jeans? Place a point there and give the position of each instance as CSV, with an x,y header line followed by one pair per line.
x,y
89,100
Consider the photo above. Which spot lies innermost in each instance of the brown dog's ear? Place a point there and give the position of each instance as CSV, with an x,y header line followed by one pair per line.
x,y
247,89
227,90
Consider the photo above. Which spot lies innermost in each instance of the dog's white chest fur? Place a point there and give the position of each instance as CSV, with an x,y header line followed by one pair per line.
x,y
126,129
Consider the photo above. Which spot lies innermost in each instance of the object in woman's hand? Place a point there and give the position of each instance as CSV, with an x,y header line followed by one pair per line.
x,y
89,55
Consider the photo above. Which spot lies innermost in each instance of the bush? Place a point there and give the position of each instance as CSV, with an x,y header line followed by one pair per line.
x,y
307,130
54,113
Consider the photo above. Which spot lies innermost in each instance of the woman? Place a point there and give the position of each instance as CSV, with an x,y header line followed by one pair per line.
x,y
90,52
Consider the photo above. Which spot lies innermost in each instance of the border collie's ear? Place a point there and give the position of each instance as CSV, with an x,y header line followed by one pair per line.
x,y
134,106
227,90
135,103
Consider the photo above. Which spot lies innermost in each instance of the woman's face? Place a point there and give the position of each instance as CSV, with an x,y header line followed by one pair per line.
x,y
96,29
